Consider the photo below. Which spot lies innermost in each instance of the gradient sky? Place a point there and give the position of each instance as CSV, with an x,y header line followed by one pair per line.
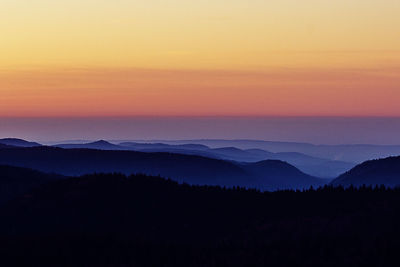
x,y
194,58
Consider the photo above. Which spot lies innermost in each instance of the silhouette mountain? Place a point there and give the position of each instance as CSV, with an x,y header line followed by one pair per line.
x,y
137,146
183,168
18,142
228,153
274,170
114,220
371,173
186,149
356,153
101,144
310,165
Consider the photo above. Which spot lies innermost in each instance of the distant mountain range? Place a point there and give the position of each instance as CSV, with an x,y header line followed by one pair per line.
x,y
18,142
314,166
355,153
102,145
311,165
192,169
371,173
352,153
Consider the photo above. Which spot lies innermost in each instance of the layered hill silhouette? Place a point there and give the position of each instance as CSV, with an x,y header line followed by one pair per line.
x,y
265,175
371,173
193,163
115,220
18,142
101,145
355,153
311,165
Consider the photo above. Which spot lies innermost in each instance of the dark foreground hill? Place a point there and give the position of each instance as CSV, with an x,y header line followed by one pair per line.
x,y
265,175
114,220
15,181
374,172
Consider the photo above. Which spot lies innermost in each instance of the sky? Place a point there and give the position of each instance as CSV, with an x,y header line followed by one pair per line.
x,y
93,58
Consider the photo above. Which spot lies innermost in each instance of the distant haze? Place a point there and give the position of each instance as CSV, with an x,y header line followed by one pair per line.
x,y
316,130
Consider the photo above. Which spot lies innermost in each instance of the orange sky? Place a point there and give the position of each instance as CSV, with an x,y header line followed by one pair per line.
x,y
173,57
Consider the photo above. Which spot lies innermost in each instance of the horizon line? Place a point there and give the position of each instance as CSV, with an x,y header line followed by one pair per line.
x,y
191,116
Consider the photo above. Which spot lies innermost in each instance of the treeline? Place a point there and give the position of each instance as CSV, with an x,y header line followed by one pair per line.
x,y
115,220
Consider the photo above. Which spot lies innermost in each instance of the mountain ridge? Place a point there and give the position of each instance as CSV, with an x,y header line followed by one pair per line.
x,y
182,168
18,142
372,173
311,165
356,153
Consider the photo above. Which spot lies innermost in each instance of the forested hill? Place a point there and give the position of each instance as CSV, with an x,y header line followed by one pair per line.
x,y
16,181
374,172
114,220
